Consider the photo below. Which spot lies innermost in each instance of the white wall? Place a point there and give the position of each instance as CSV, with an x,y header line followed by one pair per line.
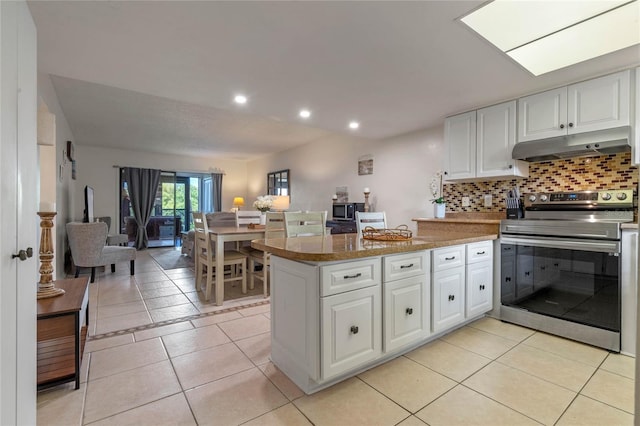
x,y
402,170
95,168
64,188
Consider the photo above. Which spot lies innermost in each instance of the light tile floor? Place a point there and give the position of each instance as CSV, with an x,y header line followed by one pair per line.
x,y
215,370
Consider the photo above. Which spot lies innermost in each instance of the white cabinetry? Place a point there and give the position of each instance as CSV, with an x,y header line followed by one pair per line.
x,y
460,142
597,104
636,127
479,297
448,287
406,299
479,144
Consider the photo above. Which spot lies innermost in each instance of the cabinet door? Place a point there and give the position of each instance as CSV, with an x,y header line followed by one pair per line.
x,y
542,115
406,311
496,136
601,103
351,330
448,298
460,143
479,288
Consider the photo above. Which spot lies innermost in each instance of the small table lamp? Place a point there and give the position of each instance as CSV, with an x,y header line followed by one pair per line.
x,y
237,203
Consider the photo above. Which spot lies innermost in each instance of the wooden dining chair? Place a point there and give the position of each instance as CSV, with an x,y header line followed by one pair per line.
x,y
297,224
205,258
274,228
376,220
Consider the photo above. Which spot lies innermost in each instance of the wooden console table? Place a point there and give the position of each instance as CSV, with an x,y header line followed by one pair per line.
x,y
62,331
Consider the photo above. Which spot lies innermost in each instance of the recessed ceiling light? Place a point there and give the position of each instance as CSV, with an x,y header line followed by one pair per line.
x,y
240,99
304,113
546,36
353,125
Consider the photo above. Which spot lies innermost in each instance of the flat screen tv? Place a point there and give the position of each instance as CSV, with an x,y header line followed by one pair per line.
x,y
88,204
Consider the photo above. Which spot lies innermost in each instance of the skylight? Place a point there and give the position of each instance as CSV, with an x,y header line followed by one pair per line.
x,y
544,36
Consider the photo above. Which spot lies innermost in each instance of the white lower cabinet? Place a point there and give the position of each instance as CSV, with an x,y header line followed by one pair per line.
x,y
479,288
448,298
351,330
406,312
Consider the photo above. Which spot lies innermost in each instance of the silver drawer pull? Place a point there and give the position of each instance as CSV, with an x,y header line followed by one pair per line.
x,y
478,253
354,329
348,277
449,258
406,266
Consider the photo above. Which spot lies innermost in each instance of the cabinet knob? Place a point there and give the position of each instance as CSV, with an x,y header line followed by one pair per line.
x,y
452,297
23,254
354,329
570,124
507,279
562,126
409,311
526,274
511,166
481,286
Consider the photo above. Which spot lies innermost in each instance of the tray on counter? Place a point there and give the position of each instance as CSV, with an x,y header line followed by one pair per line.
x,y
401,233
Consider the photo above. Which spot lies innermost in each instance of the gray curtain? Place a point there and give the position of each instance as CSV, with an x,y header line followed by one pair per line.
x,y
216,187
143,185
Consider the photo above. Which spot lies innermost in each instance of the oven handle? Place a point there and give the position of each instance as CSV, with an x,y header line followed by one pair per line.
x,y
564,243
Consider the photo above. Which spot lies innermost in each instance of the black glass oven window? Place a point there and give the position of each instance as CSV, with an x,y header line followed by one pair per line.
x,y
575,285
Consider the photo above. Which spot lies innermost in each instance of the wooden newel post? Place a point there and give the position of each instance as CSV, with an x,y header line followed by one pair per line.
x,y
46,286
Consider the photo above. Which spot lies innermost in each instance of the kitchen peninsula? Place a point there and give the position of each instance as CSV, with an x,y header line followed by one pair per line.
x,y
341,304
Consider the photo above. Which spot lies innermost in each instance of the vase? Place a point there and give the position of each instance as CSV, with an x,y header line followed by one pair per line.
x,y
438,210
263,218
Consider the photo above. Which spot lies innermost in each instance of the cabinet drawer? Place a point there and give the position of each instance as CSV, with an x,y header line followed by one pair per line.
x,y
341,277
405,265
448,257
478,252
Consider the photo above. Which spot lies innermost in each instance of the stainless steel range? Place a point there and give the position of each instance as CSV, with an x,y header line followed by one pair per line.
x,y
560,265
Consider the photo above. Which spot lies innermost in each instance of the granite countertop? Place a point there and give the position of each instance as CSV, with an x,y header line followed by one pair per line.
x,y
467,217
350,246
633,225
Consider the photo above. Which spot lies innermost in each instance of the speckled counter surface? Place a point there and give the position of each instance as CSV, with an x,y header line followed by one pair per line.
x,y
349,246
461,222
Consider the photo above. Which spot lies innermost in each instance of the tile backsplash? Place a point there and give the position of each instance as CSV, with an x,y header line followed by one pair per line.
x,y
613,171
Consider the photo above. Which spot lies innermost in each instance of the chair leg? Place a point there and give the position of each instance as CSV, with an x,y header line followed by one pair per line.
x,y
244,276
113,268
251,272
77,271
207,295
132,266
93,273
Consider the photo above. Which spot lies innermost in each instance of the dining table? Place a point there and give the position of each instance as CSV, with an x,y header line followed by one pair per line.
x,y
220,235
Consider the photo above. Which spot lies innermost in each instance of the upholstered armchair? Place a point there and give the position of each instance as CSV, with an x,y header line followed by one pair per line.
x,y
87,242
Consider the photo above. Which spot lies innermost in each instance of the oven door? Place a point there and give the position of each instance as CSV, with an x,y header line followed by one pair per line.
x,y
555,283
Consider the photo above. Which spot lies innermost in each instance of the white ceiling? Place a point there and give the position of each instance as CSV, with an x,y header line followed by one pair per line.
x,y
161,76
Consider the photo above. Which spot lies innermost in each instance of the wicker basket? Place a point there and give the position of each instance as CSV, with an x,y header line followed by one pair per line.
x,y
401,233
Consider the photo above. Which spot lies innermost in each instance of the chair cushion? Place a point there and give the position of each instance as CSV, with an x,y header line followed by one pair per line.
x,y
115,254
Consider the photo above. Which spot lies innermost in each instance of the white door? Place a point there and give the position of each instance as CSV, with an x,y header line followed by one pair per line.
x,y
406,311
542,115
18,219
460,145
601,103
496,137
448,298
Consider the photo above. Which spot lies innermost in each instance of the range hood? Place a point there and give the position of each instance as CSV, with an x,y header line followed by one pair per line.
x,y
610,141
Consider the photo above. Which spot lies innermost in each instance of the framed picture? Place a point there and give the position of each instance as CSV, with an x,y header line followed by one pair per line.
x,y
70,151
365,165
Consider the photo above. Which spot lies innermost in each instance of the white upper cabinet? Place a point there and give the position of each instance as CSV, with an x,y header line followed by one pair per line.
x,y
460,141
479,144
597,104
496,137
636,145
542,115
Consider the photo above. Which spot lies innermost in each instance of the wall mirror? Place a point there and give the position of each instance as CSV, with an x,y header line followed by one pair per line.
x,y
278,182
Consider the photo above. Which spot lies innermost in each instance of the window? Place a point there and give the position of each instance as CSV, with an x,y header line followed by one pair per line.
x,y
278,183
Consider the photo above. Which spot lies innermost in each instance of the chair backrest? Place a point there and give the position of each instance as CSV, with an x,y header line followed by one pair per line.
x,y
246,217
86,241
305,224
376,220
221,219
274,226
201,235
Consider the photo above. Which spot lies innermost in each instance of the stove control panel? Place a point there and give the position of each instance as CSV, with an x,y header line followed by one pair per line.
x,y
615,198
